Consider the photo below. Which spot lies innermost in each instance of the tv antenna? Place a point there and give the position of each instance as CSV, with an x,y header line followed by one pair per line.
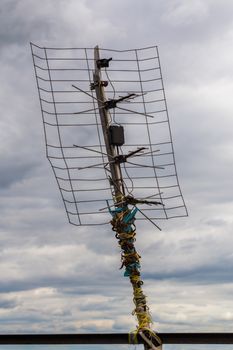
x,y
108,140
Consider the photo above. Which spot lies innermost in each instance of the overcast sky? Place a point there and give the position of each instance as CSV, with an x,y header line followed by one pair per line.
x,y
59,278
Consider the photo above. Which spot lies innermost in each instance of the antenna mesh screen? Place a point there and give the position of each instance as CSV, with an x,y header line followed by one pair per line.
x,y
71,121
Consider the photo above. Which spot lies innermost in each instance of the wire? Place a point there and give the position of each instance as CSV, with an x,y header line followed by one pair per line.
x,y
114,95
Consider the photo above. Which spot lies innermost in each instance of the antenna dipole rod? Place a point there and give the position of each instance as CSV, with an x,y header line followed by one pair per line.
x,y
105,118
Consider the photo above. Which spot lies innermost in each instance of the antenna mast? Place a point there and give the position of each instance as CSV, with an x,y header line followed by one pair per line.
x,y
123,217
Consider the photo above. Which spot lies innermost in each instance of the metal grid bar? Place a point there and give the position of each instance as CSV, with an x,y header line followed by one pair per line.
x,y
114,338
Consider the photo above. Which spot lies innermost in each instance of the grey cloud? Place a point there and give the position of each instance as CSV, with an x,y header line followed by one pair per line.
x,y
14,171
18,23
7,303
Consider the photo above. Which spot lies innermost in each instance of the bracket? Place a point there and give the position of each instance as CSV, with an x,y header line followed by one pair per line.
x,y
110,104
103,63
113,103
103,83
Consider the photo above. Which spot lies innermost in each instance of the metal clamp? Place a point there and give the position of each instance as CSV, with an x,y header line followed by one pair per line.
x,y
103,63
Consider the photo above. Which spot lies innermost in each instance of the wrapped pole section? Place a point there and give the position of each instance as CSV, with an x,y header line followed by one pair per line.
x,y
123,225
